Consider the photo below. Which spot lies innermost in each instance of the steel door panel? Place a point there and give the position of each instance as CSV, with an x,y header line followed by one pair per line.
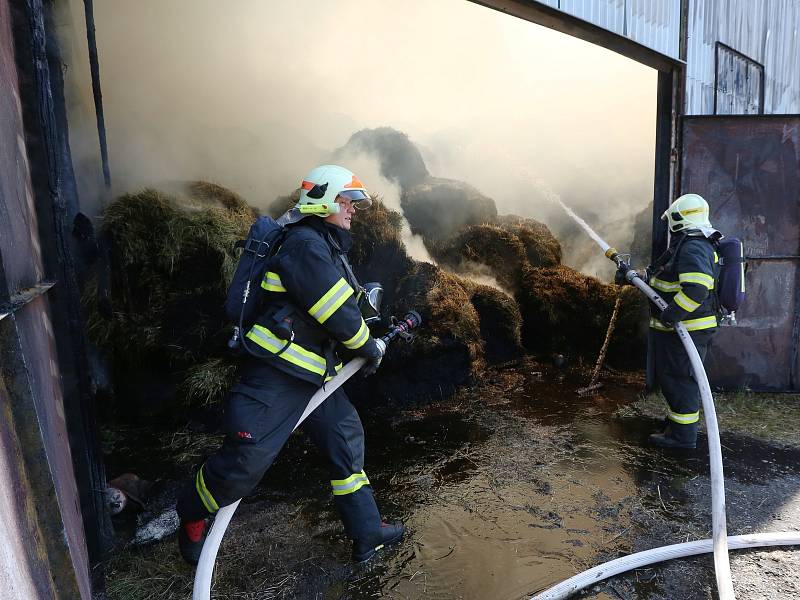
x,y
748,168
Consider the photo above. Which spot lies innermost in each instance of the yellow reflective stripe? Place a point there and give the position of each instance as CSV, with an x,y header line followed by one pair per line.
x,y
701,323
205,496
332,300
665,286
355,482
272,282
359,339
690,324
297,355
684,418
701,278
716,258
685,302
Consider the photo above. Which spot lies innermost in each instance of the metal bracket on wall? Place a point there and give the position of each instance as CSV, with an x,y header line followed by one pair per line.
x,y
23,297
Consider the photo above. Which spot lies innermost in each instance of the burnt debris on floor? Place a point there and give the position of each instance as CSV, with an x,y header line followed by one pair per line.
x,y
507,487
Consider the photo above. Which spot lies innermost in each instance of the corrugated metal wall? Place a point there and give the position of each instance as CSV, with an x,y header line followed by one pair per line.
x,y
652,23
766,31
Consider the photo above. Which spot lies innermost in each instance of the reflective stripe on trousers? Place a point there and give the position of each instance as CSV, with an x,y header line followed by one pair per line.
x,y
685,418
355,482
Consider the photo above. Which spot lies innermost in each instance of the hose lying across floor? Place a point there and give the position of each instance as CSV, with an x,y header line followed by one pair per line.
x,y
573,585
720,540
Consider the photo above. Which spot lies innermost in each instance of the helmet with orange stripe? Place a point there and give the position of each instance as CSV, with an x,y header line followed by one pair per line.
x,y
320,188
690,211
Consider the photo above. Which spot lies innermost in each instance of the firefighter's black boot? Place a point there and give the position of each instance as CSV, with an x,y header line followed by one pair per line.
x,y
191,537
675,436
388,534
362,523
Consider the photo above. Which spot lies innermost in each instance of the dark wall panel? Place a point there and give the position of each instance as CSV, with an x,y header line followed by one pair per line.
x,y
44,549
748,168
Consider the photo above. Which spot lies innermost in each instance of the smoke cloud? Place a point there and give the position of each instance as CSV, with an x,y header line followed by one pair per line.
x,y
253,94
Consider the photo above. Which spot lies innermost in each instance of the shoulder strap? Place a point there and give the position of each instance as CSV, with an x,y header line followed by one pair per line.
x,y
351,277
671,262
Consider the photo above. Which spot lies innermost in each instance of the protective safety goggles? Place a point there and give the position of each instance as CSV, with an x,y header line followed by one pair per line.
x,y
358,198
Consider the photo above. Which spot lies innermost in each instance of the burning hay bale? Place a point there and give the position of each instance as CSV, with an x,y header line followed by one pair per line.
x,y
500,322
213,193
448,349
400,160
566,311
437,208
172,259
542,249
464,321
505,248
496,248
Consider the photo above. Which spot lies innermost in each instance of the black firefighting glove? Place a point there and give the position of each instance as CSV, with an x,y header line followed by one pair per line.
x,y
668,316
619,276
374,361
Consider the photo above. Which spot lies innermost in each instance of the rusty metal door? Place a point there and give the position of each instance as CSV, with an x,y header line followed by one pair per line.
x,y
748,168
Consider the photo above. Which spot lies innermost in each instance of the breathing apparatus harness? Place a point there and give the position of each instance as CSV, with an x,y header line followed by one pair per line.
x,y
729,283
245,296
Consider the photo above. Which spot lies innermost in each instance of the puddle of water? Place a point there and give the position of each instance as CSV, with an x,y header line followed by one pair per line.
x,y
514,512
553,487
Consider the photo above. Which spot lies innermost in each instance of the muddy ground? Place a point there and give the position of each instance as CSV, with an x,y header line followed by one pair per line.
x,y
507,488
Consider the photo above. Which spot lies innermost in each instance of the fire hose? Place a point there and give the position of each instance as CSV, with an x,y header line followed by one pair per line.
x,y
208,556
720,541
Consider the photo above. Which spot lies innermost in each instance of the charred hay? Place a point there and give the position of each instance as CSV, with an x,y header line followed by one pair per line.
x,y
500,322
400,160
171,260
437,208
490,245
465,323
568,312
542,249
172,257
506,247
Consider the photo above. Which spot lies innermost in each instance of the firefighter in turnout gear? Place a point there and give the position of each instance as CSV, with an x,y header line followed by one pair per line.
x,y
685,277
309,316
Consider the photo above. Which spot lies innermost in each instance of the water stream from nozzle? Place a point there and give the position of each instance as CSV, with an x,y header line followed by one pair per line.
x,y
589,231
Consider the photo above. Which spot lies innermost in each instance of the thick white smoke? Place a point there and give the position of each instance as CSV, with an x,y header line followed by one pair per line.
x,y
253,94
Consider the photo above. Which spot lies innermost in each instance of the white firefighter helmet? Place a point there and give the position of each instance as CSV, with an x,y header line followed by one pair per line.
x,y
690,211
319,189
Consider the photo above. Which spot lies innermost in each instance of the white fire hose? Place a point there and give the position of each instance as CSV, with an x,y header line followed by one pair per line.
x,y
581,581
720,540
